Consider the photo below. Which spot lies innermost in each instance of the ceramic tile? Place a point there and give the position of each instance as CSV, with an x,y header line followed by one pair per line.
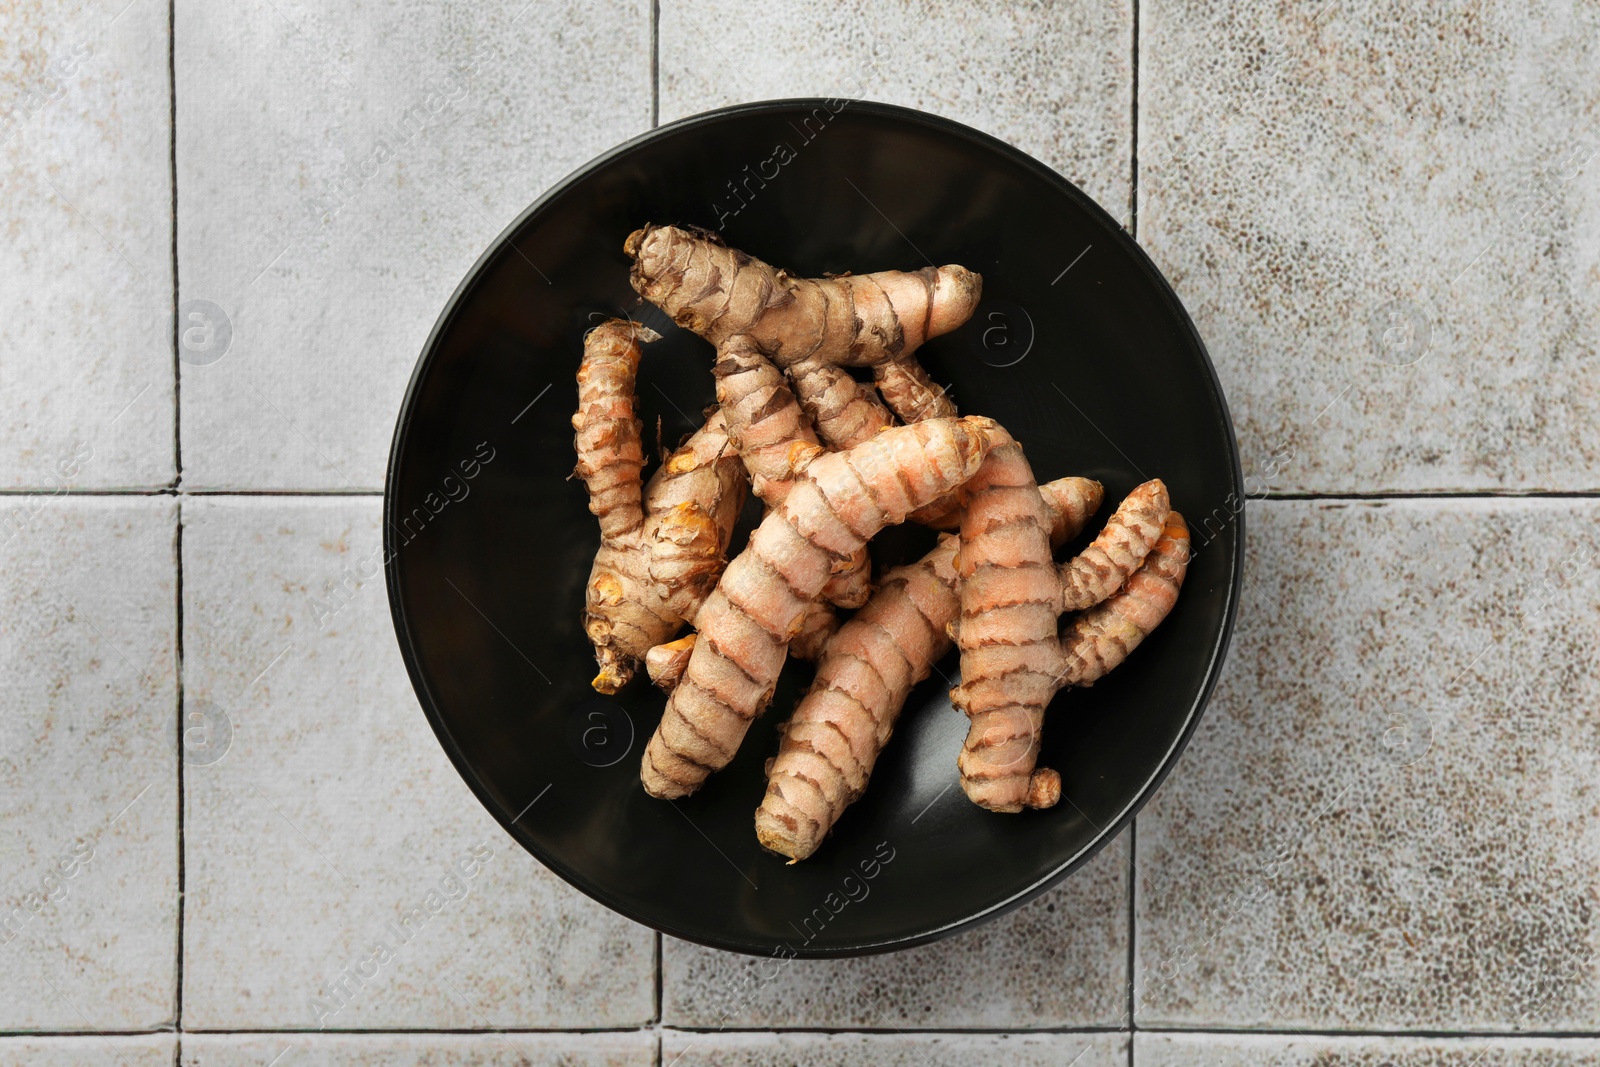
x,y
120,1050
1054,80
340,874
88,779
1385,222
340,167
86,263
634,1049
1387,818
1259,1050
1057,962
892,1050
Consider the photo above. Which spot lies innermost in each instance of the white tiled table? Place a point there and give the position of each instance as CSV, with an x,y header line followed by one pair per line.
x,y
1381,846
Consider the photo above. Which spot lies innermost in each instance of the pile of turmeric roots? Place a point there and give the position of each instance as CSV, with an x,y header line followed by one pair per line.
x,y
834,460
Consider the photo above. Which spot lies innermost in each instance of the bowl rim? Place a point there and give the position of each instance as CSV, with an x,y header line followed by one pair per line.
x,y
431,707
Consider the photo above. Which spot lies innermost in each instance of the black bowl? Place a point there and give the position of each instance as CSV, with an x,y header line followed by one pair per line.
x,y
1080,349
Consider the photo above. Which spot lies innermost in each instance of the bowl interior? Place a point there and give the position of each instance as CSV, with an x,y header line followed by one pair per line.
x,y
1079,349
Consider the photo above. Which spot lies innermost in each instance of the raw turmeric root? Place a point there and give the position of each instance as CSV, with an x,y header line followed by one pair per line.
x,y
610,449
666,663
1102,637
914,396
1099,570
836,504
775,439
765,422
1012,660
661,548
820,623
911,393
854,320
844,411
866,671
812,328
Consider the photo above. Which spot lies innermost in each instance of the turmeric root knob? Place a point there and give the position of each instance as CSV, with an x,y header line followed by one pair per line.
x,y
1099,570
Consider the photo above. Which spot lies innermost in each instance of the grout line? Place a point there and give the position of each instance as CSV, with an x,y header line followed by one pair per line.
x,y
1133,189
1556,1036
644,1029
658,968
979,1031
172,171
1432,1035
177,537
655,63
177,544
1133,888
1133,230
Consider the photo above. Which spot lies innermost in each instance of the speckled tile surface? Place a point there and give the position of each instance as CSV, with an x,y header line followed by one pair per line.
x,y
85,246
340,166
329,844
893,1050
1385,221
88,765
121,1050
1060,961
635,1049
1258,1050
1388,818
1053,79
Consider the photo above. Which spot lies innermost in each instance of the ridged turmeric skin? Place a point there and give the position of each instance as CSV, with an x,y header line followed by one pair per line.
x,y
1007,628
824,453
1012,660
661,546
838,502
855,320
867,670
776,440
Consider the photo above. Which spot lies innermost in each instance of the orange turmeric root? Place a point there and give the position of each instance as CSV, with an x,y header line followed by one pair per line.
x,y
1099,570
838,502
775,439
911,393
1012,660
809,327
854,320
608,442
1102,637
914,396
662,548
666,663
844,411
866,671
